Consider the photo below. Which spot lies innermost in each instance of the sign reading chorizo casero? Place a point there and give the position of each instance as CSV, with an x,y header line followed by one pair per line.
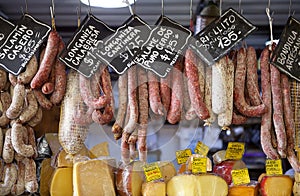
x,y
119,49
221,35
22,42
163,47
81,53
287,52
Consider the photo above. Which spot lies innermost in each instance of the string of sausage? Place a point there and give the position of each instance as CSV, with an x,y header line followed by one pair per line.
x,y
239,89
266,120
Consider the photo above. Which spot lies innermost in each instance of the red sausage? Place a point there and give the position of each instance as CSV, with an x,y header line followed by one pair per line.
x,y
154,94
47,62
192,75
174,114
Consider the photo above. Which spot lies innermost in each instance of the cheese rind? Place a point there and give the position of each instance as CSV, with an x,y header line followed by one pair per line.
x,y
93,177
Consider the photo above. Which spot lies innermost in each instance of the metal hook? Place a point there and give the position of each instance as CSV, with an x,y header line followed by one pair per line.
x,y
270,22
220,7
52,17
90,9
191,9
162,8
26,7
129,6
78,14
240,5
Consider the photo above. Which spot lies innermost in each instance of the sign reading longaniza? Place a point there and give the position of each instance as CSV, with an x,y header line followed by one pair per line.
x,y
82,53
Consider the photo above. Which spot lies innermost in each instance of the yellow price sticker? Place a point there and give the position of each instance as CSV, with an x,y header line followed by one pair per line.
x,y
152,172
183,155
240,176
273,167
201,149
235,150
199,165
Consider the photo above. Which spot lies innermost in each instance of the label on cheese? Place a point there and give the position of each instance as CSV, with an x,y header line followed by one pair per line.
x,y
201,149
235,150
273,167
183,155
240,176
152,172
199,165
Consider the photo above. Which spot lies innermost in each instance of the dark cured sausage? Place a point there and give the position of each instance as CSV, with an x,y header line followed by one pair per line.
x,y
47,62
192,75
266,121
174,114
278,111
239,89
165,91
252,77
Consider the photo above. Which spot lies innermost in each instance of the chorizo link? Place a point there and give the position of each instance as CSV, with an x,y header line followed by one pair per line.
x,y
118,126
5,101
37,118
143,114
154,94
60,78
43,101
10,177
174,114
31,107
132,103
30,70
17,140
278,111
239,89
19,187
266,120
196,96
47,62
17,102
252,77
208,96
8,150
30,179
165,91
3,79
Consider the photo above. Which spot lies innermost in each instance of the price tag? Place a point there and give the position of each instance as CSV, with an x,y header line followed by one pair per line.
x,y
199,165
221,35
235,150
273,167
201,149
163,47
22,42
183,155
82,52
240,176
152,172
119,49
287,53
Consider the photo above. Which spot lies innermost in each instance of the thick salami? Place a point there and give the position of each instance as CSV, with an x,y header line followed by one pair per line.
x,y
154,94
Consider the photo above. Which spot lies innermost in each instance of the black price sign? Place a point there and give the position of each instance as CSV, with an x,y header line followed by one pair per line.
x,y
119,49
82,53
287,52
221,35
163,47
22,43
